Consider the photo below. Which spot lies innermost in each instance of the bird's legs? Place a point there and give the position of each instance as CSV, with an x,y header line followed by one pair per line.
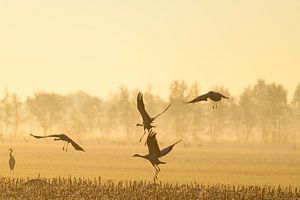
x,y
158,168
143,135
67,146
64,146
214,105
156,172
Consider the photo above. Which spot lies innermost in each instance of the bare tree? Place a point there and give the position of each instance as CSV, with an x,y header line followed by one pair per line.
x,y
247,112
178,113
6,108
295,106
196,113
15,104
47,108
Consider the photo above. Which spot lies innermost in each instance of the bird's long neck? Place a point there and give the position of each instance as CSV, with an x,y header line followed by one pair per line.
x,y
10,154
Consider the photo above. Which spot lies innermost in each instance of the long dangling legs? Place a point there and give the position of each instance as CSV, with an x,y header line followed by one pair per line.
x,y
156,172
67,146
143,135
64,146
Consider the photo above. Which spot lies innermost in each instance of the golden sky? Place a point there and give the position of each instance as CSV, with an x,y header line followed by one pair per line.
x,y
96,46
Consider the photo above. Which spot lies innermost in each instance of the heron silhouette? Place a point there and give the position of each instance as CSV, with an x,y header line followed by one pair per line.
x,y
147,120
214,96
64,138
11,162
155,152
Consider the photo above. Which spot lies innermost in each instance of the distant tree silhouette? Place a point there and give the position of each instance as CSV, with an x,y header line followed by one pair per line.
x,y
295,106
7,111
121,112
85,113
296,98
247,112
178,113
196,113
16,106
270,101
261,112
262,108
278,96
47,108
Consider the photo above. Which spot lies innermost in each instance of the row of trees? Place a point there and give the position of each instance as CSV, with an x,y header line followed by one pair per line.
x,y
261,113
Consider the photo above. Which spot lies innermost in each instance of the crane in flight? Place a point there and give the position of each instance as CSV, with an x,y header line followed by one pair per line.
x,y
155,153
64,138
147,120
214,96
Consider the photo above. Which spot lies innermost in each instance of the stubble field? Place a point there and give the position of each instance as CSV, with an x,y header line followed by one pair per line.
x,y
208,165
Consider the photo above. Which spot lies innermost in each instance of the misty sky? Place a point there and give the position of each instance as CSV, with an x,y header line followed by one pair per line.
x,y
65,46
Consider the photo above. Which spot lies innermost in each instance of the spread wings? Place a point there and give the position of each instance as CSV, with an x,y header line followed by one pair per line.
x,y
141,107
154,148
62,137
39,137
76,146
153,145
203,97
166,150
162,111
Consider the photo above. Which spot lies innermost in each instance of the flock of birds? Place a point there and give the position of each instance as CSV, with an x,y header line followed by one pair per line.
x,y
154,151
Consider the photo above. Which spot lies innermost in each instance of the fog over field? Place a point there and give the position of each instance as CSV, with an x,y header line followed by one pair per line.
x,y
250,139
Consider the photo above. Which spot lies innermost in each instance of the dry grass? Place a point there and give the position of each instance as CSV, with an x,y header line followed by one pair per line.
x,y
80,188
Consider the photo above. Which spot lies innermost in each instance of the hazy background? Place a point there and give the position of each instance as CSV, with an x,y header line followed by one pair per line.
x,y
96,46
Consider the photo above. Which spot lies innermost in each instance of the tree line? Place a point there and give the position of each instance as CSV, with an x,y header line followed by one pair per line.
x,y
261,113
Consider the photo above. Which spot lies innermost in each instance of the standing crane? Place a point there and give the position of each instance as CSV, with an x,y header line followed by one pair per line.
x,y
147,120
155,153
11,162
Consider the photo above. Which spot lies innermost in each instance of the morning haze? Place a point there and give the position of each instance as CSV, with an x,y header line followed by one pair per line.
x,y
97,46
80,81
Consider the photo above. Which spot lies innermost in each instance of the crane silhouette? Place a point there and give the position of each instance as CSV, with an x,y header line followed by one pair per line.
x,y
64,138
214,96
155,152
147,120
11,162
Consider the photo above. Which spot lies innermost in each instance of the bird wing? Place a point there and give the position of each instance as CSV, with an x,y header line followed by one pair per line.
x,y
166,150
76,146
141,107
152,144
200,98
162,112
39,137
